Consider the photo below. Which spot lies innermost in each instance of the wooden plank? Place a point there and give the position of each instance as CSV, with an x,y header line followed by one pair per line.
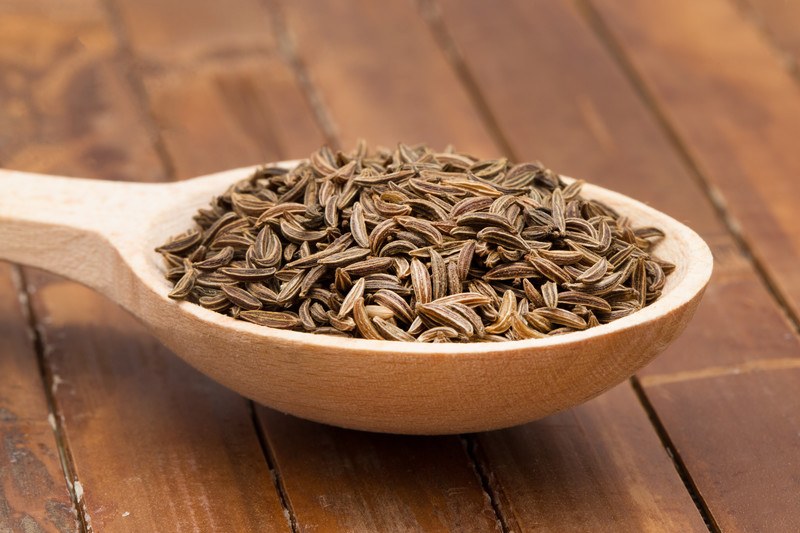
x,y
33,492
154,444
565,470
760,457
317,32
617,141
740,129
343,480
376,70
780,19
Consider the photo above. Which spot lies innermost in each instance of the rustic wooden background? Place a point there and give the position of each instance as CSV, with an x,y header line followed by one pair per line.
x,y
692,106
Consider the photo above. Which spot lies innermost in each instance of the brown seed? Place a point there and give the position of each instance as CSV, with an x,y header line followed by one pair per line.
x,y
446,316
241,297
396,303
548,269
220,259
291,289
304,312
421,281
346,257
438,275
341,323
356,292
438,334
311,278
421,227
587,300
454,283
563,317
502,237
217,302
370,266
249,274
363,322
181,244
550,294
523,330
184,286
481,220
390,331
557,208
358,226
464,259
271,319
562,257
594,273
533,295
507,311
512,271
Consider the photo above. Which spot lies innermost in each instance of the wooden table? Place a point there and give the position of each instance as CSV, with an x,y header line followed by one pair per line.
x,y
691,106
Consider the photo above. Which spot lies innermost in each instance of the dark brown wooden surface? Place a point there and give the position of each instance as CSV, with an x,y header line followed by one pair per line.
x,y
779,21
33,493
686,105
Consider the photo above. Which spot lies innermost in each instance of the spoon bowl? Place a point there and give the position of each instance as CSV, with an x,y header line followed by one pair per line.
x,y
103,234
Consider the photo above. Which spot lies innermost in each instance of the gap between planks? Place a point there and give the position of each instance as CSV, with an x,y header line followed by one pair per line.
x,y
136,84
288,53
619,56
431,13
269,457
470,445
74,487
674,455
751,14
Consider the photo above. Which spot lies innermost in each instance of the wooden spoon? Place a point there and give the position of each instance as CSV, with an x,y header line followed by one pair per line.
x,y
102,234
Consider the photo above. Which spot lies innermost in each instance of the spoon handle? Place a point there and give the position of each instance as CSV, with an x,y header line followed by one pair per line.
x,y
68,226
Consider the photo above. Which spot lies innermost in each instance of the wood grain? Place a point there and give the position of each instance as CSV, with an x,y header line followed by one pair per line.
x,y
217,90
751,480
156,446
740,129
378,60
565,470
154,442
64,93
307,27
170,37
33,492
780,19
343,480
618,142
231,114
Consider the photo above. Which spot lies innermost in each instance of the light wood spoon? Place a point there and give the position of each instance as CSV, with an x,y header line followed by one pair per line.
x,y
103,234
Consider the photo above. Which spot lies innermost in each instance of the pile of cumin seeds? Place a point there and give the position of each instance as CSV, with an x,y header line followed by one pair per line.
x,y
412,244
